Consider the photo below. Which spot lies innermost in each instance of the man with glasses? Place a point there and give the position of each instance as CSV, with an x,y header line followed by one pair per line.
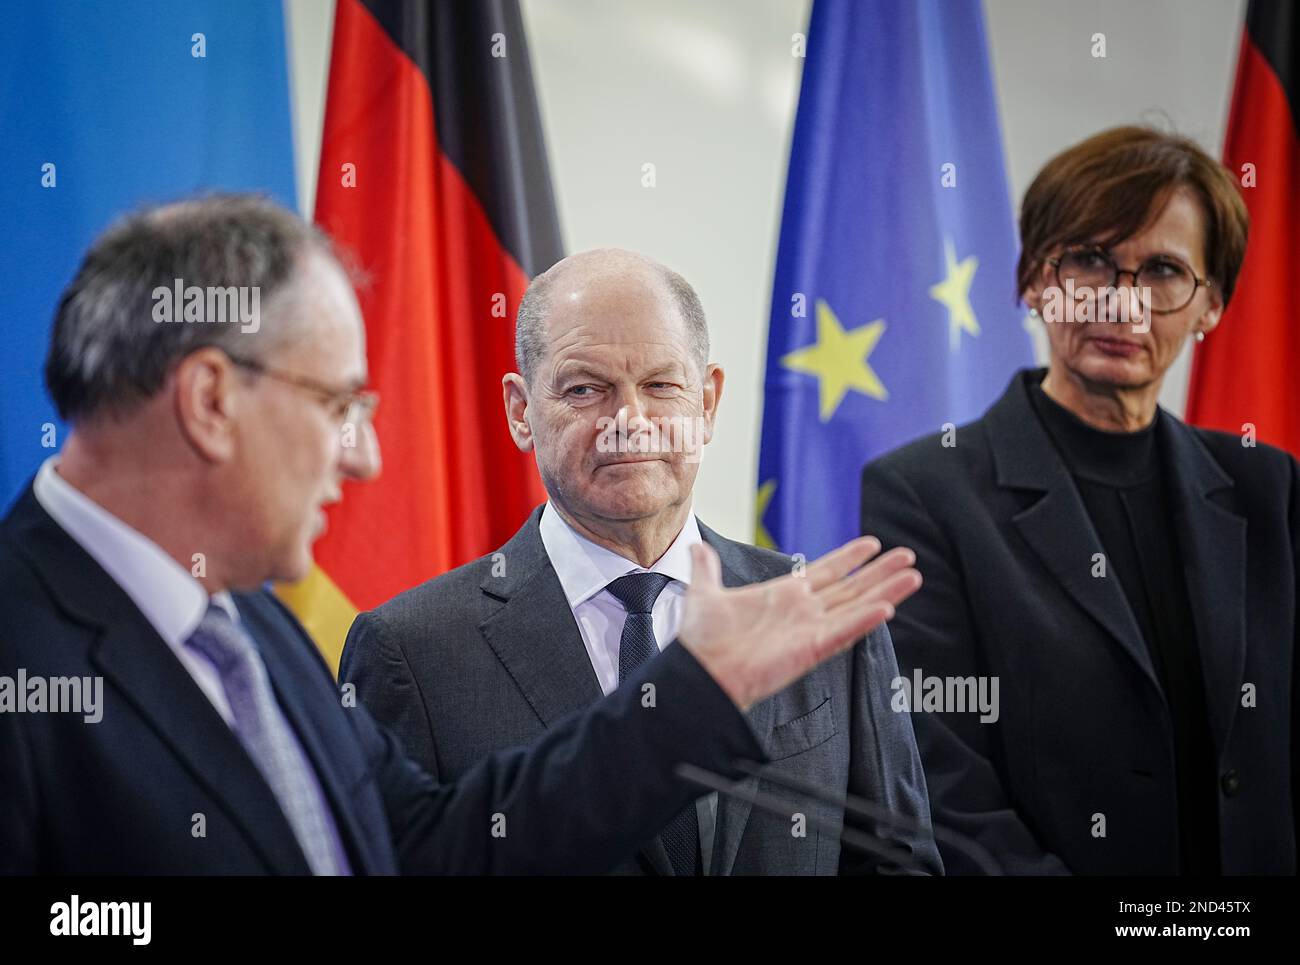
x,y
200,457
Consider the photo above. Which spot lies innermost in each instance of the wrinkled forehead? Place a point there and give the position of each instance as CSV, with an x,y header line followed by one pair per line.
x,y
625,319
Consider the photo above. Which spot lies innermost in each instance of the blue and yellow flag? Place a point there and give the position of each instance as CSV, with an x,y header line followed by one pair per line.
x,y
894,308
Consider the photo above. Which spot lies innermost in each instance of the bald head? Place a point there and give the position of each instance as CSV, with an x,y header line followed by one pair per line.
x,y
615,396
600,275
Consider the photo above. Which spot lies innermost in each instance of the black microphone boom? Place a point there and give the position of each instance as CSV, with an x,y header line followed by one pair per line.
x,y
850,804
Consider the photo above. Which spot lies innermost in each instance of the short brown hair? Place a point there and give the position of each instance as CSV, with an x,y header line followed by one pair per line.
x,y
1108,187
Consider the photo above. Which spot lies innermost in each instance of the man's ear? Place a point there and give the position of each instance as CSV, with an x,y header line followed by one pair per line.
x,y
714,378
514,393
206,400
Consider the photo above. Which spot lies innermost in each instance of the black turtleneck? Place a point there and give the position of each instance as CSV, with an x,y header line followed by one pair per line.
x,y
1122,481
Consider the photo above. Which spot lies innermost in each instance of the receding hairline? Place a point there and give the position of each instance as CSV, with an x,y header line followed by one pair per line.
x,y
605,263
619,264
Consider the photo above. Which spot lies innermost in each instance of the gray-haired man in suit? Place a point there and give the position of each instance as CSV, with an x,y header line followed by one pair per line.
x,y
615,395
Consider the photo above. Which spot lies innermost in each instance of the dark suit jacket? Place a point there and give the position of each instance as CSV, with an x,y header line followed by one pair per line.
x,y
120,795
471,662
1006,549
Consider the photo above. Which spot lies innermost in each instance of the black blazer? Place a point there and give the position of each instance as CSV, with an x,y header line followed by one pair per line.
x,y
122,796
489,656
1006,549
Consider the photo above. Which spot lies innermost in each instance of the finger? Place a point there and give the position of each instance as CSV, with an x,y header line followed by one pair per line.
x,y
898,587
838,563
893,590
706,569
868,578
841,633
858,617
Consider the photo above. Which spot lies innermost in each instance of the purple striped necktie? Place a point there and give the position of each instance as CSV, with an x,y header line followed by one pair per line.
x,y
265,733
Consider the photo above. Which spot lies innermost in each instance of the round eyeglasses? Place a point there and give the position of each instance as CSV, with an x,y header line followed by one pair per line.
x,y
1164,283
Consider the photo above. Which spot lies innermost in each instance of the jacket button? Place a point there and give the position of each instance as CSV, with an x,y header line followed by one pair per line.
x,y
1230,783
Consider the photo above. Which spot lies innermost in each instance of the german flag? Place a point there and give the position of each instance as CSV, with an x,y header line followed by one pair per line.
x,y
433,174
1244,371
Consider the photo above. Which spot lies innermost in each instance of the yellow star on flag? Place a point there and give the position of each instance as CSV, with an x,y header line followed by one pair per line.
x,y
954,293
839,360
761,536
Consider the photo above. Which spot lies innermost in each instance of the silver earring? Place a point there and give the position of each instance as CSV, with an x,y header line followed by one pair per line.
x,y
1200,336
1033,313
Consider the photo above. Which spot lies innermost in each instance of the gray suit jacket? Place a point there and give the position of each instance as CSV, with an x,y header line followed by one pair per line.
x,y
489,656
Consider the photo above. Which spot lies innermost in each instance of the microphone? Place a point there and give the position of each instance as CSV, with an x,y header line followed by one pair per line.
x,y
860,841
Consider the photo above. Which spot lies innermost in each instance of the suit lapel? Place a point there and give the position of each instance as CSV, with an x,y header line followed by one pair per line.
x,y
137,662
1213,544
1057,527
1212,541
1059,530
733,813
534,634
140,665
537,640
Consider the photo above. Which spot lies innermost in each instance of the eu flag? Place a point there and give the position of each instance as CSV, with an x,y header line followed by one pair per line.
x,y
893,309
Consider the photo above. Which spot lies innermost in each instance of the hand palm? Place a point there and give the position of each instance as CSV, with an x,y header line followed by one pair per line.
x,y
757,639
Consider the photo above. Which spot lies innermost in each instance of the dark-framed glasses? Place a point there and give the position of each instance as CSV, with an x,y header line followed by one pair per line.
x,y
1165,283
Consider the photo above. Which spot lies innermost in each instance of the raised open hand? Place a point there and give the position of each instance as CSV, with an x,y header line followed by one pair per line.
x,y
755,640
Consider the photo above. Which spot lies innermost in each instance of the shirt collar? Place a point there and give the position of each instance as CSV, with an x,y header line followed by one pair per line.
x,y
170,598
1113,458
585,568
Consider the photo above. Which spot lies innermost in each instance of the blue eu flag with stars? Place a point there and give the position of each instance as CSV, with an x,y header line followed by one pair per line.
x,y
894,305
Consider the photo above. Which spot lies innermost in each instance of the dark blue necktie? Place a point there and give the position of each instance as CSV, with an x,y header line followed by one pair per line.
x,y
638,592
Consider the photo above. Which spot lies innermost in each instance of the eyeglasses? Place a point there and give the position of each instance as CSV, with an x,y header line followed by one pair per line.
x,y
1172,284
354,406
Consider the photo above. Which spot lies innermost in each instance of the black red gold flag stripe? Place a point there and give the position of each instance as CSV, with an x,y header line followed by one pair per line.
x,y
434,175
1243,374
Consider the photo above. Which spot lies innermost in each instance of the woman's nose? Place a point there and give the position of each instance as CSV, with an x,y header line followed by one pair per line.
x,y
1132,294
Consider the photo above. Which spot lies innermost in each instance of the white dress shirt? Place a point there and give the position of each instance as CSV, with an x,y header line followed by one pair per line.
x,y
584,570
170,598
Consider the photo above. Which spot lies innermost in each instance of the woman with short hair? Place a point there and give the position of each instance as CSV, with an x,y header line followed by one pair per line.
x,y
1129,580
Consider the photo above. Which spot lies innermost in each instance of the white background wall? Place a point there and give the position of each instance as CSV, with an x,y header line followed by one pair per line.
x,y
706,90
